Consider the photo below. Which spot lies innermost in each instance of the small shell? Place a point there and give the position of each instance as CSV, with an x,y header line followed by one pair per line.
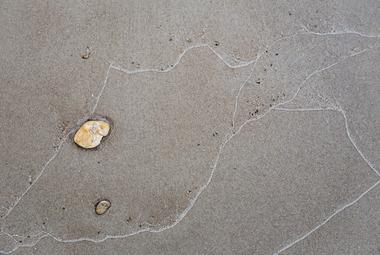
x,y
87,54
91,133
102,207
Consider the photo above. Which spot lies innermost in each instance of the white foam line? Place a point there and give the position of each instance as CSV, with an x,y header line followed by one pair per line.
x,y
316,72
347,32
37,177
303,109
259,56
327,219
341,111
10,236
308,77
354,144
179,58
238,96
101,90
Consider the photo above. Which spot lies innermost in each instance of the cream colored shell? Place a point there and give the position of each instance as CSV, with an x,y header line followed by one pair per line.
x,y
102,207
90,134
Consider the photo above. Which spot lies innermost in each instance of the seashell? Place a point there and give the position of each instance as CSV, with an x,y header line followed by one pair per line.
x,y
90,134
102,207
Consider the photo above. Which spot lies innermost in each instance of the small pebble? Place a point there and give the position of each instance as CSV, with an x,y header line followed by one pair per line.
x,y
87,54
102,207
